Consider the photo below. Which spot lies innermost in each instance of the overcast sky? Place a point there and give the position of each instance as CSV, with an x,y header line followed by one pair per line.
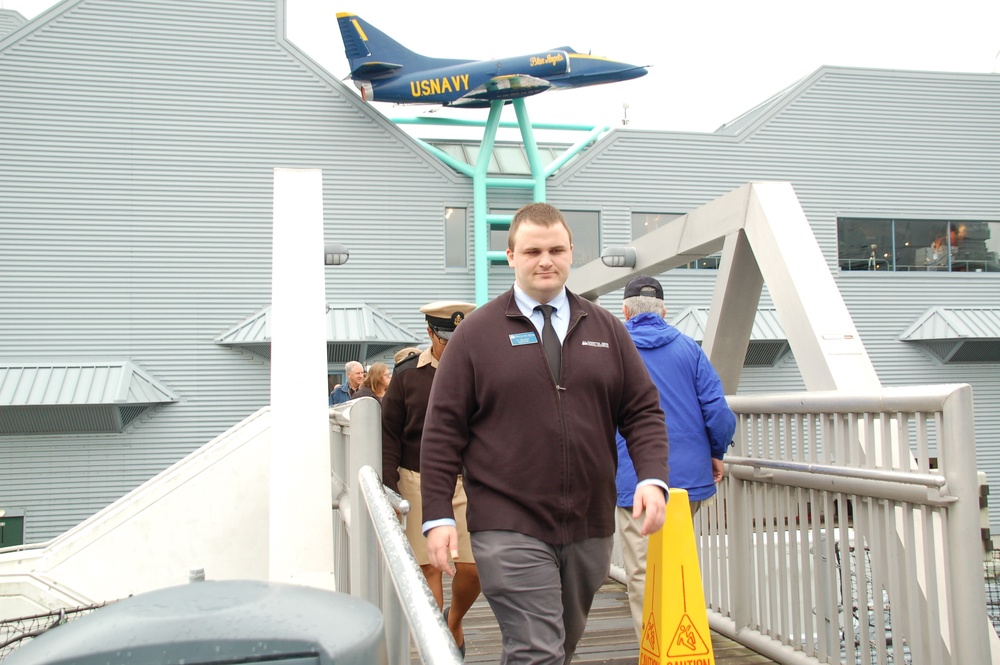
x,y
711,60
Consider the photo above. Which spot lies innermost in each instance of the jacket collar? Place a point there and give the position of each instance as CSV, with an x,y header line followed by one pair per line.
x,y
576,307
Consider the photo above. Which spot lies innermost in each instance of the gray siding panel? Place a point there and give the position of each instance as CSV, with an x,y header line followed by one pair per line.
x,y
135,214
10,21
135,221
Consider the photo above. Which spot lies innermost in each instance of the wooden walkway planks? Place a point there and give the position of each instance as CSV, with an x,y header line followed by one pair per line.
x,y
609,639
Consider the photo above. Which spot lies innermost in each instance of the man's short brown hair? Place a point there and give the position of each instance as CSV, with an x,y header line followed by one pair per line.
x,y
542,214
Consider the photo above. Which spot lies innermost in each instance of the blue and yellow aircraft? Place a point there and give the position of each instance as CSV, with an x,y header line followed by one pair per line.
x,y
386,71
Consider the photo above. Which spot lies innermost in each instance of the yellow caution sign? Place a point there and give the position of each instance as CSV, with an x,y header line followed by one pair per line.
x,y
674,620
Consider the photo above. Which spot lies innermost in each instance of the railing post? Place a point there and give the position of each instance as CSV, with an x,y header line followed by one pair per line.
x,y
968,599
365,450
738,531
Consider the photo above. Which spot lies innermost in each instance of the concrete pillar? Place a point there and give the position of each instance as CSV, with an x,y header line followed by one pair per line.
x,y
301,525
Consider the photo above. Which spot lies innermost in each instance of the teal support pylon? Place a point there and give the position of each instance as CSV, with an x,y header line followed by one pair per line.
x,y
483,221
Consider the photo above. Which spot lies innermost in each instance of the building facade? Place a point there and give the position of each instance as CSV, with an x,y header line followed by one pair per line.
x,y
136,161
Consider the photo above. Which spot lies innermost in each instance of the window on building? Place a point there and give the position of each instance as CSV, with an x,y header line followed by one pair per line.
x,y
705,263
586,229
644,222
586,235
918,245
507,158
456,238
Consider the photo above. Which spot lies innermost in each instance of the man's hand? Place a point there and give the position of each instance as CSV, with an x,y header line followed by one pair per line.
x,y
652,499
718,470
442,541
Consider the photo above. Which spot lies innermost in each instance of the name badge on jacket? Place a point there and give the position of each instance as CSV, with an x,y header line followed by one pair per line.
x,y
519,339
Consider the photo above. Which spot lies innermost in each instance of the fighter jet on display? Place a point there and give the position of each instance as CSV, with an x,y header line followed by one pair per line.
x,y
386,71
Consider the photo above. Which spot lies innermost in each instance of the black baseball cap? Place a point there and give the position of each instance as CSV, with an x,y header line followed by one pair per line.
x,y
644,286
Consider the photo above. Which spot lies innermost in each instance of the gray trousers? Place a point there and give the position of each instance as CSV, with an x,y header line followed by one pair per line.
x,y
540,593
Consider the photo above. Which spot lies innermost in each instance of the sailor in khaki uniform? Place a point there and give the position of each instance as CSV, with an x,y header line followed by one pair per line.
x,y
404,407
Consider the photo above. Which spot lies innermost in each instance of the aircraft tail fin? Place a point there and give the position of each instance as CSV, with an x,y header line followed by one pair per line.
x,y
373,54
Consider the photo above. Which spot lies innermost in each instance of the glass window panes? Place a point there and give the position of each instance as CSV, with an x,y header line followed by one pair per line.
x,y
586,235
512,160
975,246
644,222
918,245
865,244
506,158
453,149
585,226
456,238
473,151
548,155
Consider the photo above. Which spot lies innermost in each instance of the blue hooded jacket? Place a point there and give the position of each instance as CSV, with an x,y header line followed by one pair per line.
x,y
700,424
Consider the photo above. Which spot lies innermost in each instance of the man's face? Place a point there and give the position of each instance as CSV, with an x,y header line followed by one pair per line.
x,y
541,259
356,376
437,343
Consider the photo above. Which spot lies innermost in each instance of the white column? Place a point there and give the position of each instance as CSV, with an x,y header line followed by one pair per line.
x,y
301,524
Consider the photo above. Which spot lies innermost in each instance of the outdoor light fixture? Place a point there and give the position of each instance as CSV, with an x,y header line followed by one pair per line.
x,y
336,255
618,257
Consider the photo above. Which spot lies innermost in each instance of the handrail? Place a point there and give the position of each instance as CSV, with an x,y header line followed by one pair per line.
x,y
884,475
434,640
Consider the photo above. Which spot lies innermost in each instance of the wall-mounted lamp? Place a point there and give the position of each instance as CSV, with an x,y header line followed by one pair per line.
x,y
618,257
336,255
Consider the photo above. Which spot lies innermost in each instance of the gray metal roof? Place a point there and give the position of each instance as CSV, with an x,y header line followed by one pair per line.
x,y
353,332
693,320
748,118
10,21
79,384
958,334
75,397
768,342
940,323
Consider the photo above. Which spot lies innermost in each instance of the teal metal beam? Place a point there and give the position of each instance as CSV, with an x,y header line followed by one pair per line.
x,y
455,122
561,160
483,221
481,227
531,149
456,164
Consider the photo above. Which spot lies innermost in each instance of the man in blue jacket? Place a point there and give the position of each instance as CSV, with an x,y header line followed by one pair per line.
x,y
699,422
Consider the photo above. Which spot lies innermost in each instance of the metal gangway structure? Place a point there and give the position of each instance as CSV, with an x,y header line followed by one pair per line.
x,y
833,539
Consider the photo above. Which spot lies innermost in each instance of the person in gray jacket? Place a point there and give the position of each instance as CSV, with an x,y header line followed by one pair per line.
x,y
527,401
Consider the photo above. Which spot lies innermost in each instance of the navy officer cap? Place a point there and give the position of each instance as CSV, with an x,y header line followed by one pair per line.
x,y
444,316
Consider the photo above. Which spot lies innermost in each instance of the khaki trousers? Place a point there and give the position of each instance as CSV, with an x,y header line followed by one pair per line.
x,y
634,546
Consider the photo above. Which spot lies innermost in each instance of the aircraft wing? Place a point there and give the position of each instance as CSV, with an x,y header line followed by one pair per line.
x,y
510,86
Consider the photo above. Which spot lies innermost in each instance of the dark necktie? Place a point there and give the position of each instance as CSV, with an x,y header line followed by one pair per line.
x,y
550,340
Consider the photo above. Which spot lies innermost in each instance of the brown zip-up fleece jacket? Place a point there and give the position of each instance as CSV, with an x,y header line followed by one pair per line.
x,y
538,459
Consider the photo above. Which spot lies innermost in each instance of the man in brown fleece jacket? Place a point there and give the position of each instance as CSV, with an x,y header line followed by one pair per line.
x,y
527,402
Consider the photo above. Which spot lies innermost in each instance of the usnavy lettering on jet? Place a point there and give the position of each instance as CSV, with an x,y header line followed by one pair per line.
x,y
438,86
386,71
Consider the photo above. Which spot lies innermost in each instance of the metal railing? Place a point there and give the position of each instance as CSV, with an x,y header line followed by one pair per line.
x,y
848,530
373,559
